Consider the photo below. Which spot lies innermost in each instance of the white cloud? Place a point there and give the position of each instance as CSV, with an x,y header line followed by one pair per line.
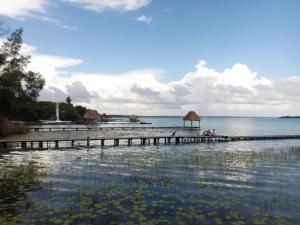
x,y
35,9
235,91
116,5
144,19
22,8
38,9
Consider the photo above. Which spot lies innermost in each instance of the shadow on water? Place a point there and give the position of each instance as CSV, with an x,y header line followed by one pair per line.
x,y
151,185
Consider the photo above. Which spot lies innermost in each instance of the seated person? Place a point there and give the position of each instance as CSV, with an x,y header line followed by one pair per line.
x,y
213,133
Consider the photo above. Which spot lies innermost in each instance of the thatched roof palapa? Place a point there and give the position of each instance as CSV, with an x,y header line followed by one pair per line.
x,y
91,114
192,116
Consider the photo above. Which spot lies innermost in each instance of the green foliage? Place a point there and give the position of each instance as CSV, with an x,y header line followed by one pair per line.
x,y
19,89
81,110
46,111
68,100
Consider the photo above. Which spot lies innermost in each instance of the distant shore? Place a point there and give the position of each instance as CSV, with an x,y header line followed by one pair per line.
x,y
289,117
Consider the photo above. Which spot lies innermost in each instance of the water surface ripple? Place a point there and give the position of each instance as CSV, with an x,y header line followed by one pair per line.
x,y
219,183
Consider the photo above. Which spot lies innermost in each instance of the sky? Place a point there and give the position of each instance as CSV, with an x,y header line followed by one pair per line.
x,y
150,57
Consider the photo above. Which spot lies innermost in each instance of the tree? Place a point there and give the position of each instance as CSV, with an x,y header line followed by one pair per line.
x,y
81,110
68,100
19,88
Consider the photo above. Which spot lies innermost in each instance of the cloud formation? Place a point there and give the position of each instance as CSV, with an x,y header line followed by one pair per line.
x,y
38,9
144,19
22,8
115,5
236,91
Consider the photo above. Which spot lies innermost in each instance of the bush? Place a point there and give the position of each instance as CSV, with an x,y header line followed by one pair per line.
x,y
8,128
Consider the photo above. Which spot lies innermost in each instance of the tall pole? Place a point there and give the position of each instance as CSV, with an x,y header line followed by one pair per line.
x,y
57,111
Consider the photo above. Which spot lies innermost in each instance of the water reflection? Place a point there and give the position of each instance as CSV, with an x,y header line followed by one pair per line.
x,y
190,184
15,182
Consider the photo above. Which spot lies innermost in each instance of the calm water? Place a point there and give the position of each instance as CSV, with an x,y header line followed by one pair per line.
x,y
223,126
255,182
236,125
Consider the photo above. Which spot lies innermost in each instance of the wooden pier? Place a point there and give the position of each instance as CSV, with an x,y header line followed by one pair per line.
x,y
130,140
95,128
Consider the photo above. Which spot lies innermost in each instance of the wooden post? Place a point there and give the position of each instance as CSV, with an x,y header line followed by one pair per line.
x,y
72,144
56,144
23,144
102,142
88,142
40,144
177,140
129,142
31,144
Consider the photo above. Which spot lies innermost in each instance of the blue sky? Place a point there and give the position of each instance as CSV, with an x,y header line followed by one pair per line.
x,y
262,35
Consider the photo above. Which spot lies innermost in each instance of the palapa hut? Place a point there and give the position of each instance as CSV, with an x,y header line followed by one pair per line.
x,y
133,118
91,116
191,116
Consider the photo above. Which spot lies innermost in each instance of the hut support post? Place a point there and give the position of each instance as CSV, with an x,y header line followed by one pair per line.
x,y
23,145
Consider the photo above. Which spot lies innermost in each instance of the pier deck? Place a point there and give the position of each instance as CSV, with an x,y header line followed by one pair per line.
x,y
95,128
130,140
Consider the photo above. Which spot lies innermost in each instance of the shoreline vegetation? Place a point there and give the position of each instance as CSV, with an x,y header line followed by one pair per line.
x,y
8,128
289,117
20,88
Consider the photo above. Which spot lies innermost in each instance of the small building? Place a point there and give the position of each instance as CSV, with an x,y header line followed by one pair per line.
x,y
133,118
91,116
192,116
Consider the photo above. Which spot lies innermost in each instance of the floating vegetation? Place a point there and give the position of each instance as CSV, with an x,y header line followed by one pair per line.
x,y
151,185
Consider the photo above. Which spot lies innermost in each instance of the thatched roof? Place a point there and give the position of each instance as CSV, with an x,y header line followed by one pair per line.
x,y
91,114
192,116
133,116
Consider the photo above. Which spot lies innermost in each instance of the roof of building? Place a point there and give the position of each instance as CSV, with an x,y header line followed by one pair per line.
x,y
91,114
192,116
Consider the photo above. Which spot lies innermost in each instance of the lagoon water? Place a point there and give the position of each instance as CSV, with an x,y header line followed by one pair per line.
x,y
251,182
236,125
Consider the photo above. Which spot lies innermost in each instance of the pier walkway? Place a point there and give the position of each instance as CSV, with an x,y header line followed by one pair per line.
x,y
95,128
129,141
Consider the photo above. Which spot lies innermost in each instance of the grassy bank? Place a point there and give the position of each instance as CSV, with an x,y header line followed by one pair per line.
x,y
12,127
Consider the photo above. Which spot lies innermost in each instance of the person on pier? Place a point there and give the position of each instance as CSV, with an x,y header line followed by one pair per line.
x,y
213,133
